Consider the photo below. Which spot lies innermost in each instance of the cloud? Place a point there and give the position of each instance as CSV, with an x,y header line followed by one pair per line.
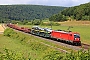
x,y
6,2
59,2
46,2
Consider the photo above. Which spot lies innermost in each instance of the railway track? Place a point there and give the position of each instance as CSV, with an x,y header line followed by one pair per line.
x,y
60,44
85,46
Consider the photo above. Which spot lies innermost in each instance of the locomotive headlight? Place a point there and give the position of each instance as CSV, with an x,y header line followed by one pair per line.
x,y
77,39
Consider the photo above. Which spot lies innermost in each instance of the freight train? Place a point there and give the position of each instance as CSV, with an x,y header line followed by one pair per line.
x,y
66,36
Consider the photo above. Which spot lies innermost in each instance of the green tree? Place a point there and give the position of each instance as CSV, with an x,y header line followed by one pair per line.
x,y
78,12
58,17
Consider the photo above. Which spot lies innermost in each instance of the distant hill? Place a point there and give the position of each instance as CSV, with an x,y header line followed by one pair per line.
x,y
81,12
27,12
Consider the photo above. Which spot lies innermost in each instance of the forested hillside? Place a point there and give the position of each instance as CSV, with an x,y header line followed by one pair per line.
x,y
81,12
27,12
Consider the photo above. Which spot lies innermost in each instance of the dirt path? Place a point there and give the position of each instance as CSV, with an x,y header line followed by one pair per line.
x,y
1,29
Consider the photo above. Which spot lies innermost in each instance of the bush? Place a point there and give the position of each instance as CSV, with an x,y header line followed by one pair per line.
x,y
54,55
29,23
36,22
12,55
80,55
8,32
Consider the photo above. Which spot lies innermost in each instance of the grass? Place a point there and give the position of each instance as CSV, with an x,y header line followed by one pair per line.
x,y
12,44
15,45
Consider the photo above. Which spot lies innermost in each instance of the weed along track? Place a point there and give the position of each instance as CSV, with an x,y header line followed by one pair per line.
x,y
58,45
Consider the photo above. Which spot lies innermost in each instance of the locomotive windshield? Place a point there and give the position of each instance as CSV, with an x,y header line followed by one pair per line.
x,y
76,36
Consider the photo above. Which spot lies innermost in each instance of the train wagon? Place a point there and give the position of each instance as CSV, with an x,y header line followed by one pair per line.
x,y
35,30
25,29
47,33
41,32
72,37
11,25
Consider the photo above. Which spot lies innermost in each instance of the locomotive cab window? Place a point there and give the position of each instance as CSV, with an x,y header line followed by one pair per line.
x,y
76,36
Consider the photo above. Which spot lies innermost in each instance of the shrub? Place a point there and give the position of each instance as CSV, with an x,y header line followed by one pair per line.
x,y
80,55
12,55
54,55
7,32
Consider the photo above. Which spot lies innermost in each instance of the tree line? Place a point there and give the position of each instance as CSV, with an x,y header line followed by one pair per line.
x,y
27,12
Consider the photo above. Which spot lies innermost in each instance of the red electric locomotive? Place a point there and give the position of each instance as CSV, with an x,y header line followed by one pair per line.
x,y
67,36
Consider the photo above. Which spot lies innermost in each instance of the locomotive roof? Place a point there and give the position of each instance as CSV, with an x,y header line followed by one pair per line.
x,y
67,32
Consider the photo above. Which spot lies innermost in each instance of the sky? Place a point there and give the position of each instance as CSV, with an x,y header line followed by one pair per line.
x,y
65,3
